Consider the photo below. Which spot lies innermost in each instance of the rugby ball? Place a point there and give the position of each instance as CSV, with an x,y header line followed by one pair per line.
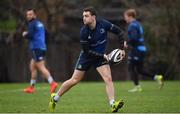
x,y
116,56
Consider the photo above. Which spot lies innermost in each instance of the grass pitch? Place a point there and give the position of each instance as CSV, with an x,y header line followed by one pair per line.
x,y
90,97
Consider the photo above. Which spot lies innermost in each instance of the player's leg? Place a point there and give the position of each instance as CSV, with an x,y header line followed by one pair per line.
x,y
105,73
42,68
39,56
132,70
82,66
134,76
140,64
76,78
141,70
33,70
133,73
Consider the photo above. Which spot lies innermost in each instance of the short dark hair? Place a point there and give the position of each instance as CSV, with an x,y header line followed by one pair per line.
x,y
91,10
34,10
131,12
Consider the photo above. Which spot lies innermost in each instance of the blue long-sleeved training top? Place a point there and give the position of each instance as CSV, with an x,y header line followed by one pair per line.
x,y
36,35
136,36
94,41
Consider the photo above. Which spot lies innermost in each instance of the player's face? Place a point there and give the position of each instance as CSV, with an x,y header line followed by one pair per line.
x,y
30,15
88,18
126,18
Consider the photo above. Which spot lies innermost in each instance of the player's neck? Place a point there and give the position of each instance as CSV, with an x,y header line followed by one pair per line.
x,y
92,25
132,19
32,19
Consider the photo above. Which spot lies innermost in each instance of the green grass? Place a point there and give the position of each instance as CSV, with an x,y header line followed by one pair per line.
x,y
90,97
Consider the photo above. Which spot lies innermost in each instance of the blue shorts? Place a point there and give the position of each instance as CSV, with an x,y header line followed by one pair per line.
x,y
85,62
38,54
136,55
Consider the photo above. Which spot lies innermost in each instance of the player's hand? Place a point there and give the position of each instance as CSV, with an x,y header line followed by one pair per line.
x,y
123,54
106,57
24,33
125,44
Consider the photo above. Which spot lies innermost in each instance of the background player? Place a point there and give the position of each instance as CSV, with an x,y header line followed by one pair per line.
x,y
36,37
137,51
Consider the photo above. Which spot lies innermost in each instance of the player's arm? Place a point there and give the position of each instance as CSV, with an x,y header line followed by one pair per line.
x,y
133,35
25,33
116,30
85,45
120,33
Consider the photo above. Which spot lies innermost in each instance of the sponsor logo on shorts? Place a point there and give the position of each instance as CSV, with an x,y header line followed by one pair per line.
x,y
40,58
79,66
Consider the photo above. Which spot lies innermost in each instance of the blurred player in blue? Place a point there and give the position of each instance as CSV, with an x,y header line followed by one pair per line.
x,y
93,40
137,51
37,45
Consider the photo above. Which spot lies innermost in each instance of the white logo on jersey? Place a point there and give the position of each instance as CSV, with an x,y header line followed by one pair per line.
x,y
102,30
39,25
89,37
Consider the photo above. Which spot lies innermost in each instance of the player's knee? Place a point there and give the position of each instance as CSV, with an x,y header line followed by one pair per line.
x,y
44,71
32,68
108,79
42,68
